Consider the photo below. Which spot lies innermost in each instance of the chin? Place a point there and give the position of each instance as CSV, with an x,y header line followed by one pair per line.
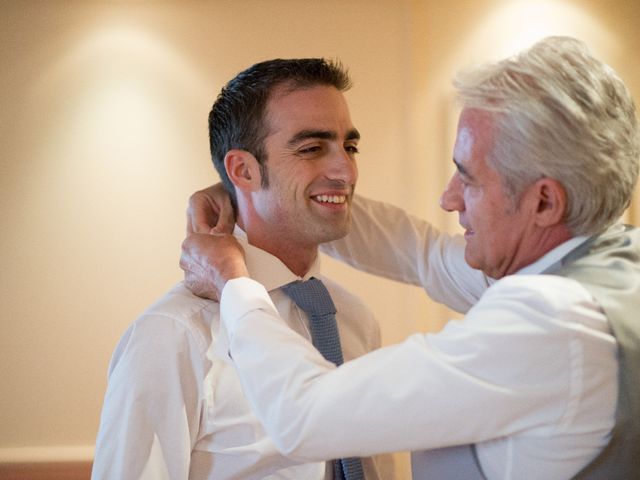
x,y
333,234
471,261
331,238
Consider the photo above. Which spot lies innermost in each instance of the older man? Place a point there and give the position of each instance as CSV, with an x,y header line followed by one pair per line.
x,y
540,380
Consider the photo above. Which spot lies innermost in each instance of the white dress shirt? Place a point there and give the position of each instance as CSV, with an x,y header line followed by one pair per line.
x,y
529,375
174,407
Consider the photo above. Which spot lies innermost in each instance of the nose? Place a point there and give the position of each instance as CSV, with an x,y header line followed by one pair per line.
x,y
343,167
451,199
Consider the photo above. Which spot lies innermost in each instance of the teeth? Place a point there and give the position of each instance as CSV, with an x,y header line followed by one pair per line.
x,y
331,198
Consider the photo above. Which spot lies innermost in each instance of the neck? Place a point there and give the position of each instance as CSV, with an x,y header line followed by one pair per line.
x,y
297,257
537,246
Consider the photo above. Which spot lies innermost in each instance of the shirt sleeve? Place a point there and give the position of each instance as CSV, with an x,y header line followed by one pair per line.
x,y
386,241
509,366
151,411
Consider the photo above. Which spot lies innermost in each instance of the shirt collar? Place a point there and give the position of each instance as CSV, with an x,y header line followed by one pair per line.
x,y
552,257
268,269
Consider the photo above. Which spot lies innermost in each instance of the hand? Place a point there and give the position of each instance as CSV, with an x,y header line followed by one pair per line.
x,y
210,211
209,261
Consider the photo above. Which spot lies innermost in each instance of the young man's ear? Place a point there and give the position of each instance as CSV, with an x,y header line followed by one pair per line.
x,y
552,202
243,169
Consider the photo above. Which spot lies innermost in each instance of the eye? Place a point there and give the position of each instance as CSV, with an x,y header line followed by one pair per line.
x,y
309,149
463,179
352,149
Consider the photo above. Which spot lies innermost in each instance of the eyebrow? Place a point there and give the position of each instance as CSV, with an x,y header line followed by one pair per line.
x,y
303,135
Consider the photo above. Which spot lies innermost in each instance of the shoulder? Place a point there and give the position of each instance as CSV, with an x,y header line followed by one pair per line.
x,y
181,312
543,303
551,292
182,305
179,323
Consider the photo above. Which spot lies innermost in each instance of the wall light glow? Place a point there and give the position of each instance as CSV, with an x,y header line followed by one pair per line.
x,y
116,106
114,86
518,24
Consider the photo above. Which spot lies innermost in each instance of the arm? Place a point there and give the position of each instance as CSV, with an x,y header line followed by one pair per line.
x,y
386,241
151,412
421,394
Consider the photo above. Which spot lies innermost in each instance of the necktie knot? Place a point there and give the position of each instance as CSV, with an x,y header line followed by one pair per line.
x,y
315,300
311,296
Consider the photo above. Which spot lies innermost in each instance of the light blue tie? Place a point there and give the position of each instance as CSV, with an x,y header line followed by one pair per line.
x,y
314,298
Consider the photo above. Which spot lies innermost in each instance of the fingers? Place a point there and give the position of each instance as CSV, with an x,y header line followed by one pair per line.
x,y
209,209
201,214
226,215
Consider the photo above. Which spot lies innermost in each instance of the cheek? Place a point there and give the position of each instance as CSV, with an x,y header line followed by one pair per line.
x,y
471,193
473,201
283,181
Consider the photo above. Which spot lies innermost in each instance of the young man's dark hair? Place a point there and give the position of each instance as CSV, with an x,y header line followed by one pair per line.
x,y
236,120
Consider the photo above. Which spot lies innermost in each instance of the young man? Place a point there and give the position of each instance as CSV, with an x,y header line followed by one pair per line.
x,y
283,143
540,379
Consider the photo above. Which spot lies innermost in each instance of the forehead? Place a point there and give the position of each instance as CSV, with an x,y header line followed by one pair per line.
x,y
319,106
476,135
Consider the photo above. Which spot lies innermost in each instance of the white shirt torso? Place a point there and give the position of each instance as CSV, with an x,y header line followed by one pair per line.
x,y
174,407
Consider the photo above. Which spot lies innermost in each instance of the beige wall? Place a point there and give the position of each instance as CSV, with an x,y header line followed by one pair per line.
x,y
104,136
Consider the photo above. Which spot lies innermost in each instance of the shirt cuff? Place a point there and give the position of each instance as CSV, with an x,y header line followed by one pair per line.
x,y
239,297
